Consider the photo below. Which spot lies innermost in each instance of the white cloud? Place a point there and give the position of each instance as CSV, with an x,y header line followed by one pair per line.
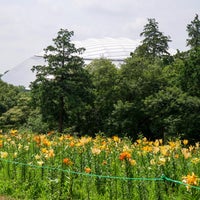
x,y
112,6
136,24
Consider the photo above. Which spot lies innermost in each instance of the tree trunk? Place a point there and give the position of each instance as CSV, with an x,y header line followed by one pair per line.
x,y
61,113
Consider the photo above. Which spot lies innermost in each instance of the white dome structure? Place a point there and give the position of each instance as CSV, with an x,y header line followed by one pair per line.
x,y
115,49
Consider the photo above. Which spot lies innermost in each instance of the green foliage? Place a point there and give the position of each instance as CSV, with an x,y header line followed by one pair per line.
x,y
62,84
138,80
105,78
8,96
190,74
193,30
35,123
124,119
151,93
173,73
13,105
154,44
173,112
18,114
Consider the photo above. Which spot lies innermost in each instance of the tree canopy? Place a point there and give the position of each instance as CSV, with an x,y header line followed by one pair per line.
x,y
62,83
193,30
151,93
155,43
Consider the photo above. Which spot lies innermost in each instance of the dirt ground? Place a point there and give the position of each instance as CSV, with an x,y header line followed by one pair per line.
x,y
5,198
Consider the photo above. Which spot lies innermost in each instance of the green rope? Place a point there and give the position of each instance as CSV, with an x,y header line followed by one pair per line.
x,y
179,182
162,178
81,173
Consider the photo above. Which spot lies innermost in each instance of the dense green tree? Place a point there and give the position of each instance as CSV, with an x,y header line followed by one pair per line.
x,y
12,105
190,73
126,119
155,43
193,30
18,114
138,80
35,123
173,73
104,75
173,112
62,84
8,96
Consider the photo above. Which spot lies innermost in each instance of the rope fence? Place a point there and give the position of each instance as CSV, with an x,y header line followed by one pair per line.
x,y
162,178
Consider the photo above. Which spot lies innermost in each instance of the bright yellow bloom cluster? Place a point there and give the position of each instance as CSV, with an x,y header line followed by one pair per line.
x,y
190,180
42,140
96,150
13,132
3,154
116,138
48,153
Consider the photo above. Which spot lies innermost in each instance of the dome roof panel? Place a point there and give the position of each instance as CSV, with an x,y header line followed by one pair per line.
x,y
115,49
106,46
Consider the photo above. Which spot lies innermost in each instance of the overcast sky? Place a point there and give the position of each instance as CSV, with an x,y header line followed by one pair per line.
x,y
28,26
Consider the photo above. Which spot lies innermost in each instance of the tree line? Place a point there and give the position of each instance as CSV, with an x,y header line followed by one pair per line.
x,y
152,93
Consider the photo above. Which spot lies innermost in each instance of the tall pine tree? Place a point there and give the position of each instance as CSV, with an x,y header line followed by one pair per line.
x,y
63,83
193,30
155,43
